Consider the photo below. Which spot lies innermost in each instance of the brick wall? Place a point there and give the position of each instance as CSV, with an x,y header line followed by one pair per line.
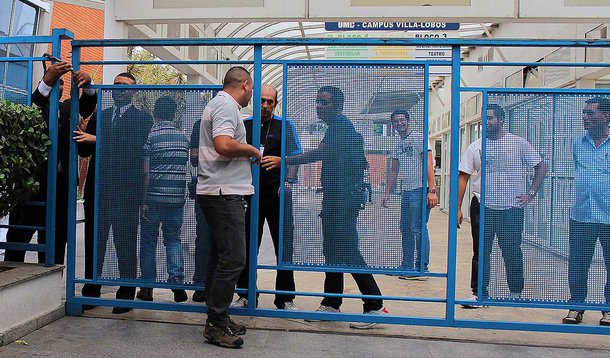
x,y
85,23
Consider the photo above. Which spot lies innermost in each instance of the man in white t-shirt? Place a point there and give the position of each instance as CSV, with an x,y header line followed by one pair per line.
x,y
407,166
223,179
506,194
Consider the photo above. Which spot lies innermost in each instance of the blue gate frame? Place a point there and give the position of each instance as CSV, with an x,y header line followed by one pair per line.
x,y
54,40
74,303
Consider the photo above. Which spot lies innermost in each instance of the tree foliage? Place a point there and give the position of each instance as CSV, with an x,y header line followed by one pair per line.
x,y
23,149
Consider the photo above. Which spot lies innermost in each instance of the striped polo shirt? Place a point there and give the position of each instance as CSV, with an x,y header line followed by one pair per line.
x,y
217,174
167,151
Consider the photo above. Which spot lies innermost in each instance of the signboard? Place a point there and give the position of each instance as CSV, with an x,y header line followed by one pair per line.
x,y
413,53
390,26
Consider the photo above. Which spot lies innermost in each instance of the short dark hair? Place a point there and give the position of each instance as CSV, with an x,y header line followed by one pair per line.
x,y
498,111
165,108
398,112
235,76
336,94
127,75
602,102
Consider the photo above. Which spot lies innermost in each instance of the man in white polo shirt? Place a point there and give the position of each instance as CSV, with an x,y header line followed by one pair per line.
x,y
507,158
224,177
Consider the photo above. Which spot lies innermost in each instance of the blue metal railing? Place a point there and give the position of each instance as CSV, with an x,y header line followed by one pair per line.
x,y
55,41
74,302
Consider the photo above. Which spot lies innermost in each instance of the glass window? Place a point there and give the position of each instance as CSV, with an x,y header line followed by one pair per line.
x,y
24,24
5,16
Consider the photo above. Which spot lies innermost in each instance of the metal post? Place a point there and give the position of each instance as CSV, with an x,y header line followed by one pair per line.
x,y
453,183
280,249
423,246
254,203
52,158
72,308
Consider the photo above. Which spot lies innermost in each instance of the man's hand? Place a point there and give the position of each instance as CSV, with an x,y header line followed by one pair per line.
x,y
432,200
55,71
82,137
144,212
460,218
255,155
384,200
81,78
271,162
523,200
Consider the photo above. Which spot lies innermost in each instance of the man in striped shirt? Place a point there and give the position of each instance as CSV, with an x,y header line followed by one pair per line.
x,y
166,153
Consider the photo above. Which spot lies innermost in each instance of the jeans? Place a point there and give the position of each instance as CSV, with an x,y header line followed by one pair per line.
x,y
475,222
170,218
340,247
583,238
507,225
269,209
226,216
413,234
202,246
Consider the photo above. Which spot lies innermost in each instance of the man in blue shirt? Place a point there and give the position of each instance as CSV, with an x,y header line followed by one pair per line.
x,y
343,164
166,154
269,206
590,215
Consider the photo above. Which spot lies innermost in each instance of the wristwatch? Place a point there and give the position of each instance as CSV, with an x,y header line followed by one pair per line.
x,y
431,190
532,192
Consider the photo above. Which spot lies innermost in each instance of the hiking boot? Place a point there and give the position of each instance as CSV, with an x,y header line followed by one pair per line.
x,y
240,303
323,308
180,295
222,336
605,321
239,329
369,325
145,294
198,296
573,317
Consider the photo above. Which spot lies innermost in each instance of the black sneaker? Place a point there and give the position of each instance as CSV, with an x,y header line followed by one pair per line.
x,y
121,310
198,296
222,336
145,294
239,329
180,295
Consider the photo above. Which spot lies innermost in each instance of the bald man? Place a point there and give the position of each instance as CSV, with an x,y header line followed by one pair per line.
x,y
269,208
223,180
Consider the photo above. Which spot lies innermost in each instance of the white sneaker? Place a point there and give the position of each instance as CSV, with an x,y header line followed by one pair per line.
x,y
369,325
414,278
289,306
472,305
323,308
240,303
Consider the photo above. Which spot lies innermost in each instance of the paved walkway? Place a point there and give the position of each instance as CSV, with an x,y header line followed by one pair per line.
x,y
392,286
94,337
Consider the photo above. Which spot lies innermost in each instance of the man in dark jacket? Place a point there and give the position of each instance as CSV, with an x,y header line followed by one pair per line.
x,y
124,130
35,215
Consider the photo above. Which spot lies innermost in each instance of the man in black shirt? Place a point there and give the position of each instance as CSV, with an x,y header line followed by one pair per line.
x,y
342,178
269,208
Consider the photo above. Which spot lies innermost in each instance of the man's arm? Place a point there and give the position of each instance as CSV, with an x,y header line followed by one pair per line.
x,y
432,198
229,147
539,174
310,156
394,169
86,140
462,181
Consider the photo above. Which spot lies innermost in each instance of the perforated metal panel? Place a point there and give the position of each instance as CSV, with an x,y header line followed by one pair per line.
x,y
558,240
338,217
133,244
